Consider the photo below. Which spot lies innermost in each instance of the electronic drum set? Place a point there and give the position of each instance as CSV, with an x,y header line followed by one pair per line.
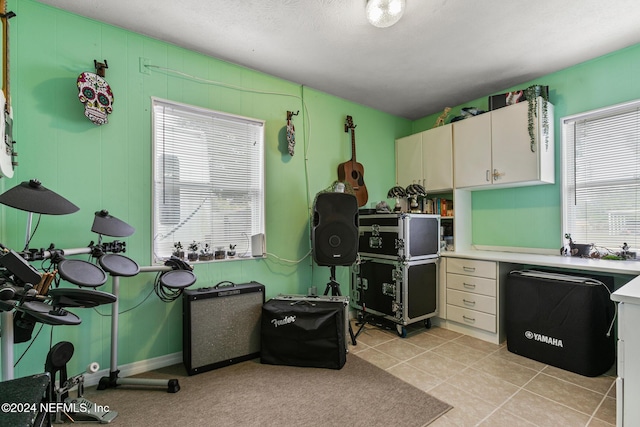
x,y
28,297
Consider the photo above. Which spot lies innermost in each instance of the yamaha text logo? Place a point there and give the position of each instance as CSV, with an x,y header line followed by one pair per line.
x,y
285,321
543,339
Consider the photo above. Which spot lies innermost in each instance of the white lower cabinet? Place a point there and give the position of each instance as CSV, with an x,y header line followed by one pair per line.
x,y
473,297
628,381
471,293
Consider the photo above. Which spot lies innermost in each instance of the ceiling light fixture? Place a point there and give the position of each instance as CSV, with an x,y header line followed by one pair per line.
x,y
384,13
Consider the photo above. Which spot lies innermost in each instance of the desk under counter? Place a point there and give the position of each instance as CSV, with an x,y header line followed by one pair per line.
x,y
494,267
482,275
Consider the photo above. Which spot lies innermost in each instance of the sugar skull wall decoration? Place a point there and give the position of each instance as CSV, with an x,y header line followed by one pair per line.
x,y
95,93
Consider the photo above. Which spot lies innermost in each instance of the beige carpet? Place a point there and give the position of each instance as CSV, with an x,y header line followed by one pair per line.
x,y
253,394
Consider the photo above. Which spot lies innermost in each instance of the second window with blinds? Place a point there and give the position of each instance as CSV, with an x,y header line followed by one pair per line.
x,y
208,181
601,169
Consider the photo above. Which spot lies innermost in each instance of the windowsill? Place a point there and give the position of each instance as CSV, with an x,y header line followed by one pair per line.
x,y
198,262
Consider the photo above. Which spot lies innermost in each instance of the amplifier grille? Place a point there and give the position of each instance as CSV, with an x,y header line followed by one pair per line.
x,y
222,330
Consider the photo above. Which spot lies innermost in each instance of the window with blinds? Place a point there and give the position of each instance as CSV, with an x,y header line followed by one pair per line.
x,y
208,184
602,176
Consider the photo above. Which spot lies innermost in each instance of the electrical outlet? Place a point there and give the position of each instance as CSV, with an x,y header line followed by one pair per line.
x,y
144,62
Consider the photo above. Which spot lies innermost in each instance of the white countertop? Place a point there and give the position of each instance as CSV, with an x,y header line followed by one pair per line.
x,y
630,292
575,263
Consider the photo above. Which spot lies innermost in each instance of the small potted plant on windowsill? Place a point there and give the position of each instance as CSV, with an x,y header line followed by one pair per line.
x,y
193,251
177,250
205,253
231,252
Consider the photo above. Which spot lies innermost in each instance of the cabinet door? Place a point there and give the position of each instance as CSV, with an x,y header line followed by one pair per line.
x,y
437,158
513,160
472,151
409,160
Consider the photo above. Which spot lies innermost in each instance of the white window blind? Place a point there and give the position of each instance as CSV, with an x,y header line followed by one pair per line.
x,y
602,176
208,182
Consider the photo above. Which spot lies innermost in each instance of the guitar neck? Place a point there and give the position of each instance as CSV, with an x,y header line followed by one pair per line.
x,y
353,145
4,17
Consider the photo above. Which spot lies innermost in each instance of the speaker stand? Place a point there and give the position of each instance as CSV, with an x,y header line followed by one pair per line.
x,y
334,288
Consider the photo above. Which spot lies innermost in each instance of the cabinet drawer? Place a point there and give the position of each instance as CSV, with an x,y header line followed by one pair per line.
x,y
472,301
477,285
472,318
472,267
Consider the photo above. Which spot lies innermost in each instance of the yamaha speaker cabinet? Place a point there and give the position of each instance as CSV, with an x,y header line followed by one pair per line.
x,y
561,319
309,331
221,325
335,229
408,237
402,292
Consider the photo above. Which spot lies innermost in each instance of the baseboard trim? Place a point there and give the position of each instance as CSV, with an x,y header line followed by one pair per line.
x,y
135,368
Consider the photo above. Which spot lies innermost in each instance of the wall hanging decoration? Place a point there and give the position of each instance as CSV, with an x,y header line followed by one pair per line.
x,y
532,93
95,93
291,132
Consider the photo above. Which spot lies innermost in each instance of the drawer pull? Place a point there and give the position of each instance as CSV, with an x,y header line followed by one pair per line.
x,y
469,285
466,301
470,269
469,319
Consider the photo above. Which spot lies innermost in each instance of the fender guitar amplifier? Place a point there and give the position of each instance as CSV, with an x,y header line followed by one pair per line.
x,y
305,331
221,325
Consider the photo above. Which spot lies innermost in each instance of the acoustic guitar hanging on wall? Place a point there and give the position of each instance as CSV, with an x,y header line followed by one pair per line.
x,y
7,153
352,171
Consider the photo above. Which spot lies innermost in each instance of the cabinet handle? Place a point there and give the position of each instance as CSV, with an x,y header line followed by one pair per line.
x,y
469,285
497,175
488,175
468,302
471,269
469,319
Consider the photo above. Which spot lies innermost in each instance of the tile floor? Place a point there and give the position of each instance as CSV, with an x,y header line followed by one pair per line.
x,y
485,383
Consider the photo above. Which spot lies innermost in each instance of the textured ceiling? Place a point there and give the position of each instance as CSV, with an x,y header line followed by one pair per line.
x,y
441,53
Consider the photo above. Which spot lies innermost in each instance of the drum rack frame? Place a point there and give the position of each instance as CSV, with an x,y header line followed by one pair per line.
x,y
6,319
113,380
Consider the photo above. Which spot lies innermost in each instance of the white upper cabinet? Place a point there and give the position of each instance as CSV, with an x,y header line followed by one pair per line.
x,y
472,151
409,160
495,149
437,158
517,159
426,158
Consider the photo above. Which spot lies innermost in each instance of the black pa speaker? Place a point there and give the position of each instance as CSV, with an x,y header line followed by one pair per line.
x,y
335,229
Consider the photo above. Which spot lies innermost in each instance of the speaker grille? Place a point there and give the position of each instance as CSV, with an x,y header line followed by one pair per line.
x,y
335,229
221,330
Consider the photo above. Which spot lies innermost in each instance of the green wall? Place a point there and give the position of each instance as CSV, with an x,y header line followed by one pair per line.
x,y
530,217
109,166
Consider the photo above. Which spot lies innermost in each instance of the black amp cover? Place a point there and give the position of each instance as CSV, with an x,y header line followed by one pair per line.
x,y
304,332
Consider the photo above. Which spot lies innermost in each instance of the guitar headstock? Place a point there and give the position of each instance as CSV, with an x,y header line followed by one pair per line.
x,y
349,124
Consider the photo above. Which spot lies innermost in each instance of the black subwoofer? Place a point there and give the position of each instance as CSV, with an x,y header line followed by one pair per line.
x,y
335,229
